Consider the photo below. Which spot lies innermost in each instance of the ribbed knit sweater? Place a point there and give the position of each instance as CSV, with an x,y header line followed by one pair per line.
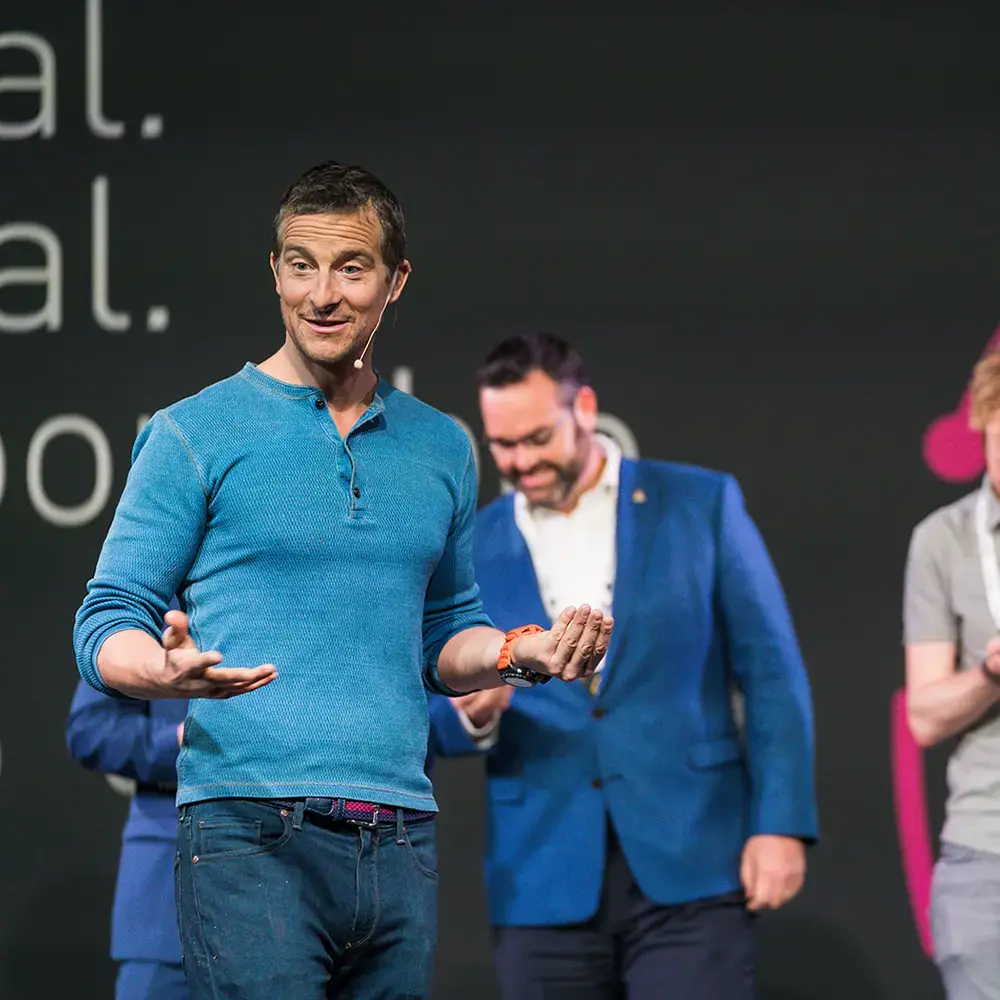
x,y
345,562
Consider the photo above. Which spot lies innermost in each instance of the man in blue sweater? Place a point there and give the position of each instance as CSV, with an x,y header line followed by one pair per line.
x,y
316,525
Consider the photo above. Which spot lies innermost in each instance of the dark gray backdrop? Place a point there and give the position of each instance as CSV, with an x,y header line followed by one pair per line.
x,y
772,234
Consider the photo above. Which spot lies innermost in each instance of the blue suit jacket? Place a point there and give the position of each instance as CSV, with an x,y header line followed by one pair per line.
x,y
446,736
698,609
138,740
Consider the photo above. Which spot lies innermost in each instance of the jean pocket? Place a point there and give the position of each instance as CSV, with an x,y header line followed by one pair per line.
x,y
421,843
222,837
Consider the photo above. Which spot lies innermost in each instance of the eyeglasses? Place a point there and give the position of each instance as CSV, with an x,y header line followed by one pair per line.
x,y
537,439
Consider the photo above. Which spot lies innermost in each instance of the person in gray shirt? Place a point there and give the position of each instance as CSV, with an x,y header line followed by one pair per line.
x,y
951,624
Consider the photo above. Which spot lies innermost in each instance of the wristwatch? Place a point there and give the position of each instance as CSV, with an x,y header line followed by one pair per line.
x,y
519,677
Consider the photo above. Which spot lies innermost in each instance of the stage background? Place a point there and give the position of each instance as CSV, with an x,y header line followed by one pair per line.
x,y
772,233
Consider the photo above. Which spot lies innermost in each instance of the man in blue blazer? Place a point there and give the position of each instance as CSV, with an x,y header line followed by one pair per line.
x,y
636,824
138,740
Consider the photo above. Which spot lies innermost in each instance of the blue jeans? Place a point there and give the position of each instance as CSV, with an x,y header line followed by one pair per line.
x,y
283,903
965,922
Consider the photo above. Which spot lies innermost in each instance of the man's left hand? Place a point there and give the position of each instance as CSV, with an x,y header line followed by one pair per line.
x,y
482,707
772,870
572,648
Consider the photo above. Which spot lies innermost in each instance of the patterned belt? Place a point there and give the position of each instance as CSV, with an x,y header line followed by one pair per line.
x,y
359,813
369,814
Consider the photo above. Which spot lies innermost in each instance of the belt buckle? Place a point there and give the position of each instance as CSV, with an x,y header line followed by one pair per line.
x,y
367,824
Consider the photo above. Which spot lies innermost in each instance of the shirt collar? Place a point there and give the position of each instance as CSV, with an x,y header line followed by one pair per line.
x,y
611,473
607,483
298,390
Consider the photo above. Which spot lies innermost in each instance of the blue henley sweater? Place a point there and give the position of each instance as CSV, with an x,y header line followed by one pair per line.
x,y
345,562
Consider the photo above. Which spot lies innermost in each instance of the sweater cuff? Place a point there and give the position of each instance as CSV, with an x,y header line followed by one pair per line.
x,y
88,662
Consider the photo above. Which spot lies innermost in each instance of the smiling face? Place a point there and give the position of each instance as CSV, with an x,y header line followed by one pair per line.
x,y
333,284
540,434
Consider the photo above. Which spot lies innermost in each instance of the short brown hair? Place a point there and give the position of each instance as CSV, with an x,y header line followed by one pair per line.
x,y
512,360
984,391
335,187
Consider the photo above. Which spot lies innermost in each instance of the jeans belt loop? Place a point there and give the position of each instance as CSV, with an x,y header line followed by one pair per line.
x,y
297,814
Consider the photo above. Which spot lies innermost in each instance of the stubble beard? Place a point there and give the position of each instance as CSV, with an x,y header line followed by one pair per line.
x,y
339,362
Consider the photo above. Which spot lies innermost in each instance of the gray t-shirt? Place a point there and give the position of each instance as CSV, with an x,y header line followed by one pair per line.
x,y
945,600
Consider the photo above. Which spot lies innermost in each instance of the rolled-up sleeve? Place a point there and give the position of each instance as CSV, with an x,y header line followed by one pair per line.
x,y
153,540
452,603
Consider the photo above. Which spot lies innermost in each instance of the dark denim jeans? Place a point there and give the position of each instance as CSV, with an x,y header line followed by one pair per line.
x,y
277,902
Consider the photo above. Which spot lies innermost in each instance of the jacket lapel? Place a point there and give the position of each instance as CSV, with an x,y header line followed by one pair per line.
x,y
510,585
638,506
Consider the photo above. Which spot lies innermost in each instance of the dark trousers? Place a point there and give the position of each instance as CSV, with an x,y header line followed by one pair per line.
x,y
633,949
281,902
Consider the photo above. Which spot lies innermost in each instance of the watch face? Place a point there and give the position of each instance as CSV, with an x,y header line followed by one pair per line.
x,y
517,681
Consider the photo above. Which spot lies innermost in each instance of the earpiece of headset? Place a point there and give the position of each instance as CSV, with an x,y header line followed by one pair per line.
x,y
359,361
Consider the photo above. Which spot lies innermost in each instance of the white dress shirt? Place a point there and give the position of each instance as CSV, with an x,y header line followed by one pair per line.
x,y
573,553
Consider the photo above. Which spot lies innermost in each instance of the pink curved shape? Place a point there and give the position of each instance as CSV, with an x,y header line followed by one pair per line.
x,y
951,449
912,823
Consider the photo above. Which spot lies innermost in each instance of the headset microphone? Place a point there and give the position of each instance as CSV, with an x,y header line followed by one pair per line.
x,y
359,361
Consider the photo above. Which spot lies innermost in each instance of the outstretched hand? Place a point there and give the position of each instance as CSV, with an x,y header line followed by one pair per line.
x,y
572,648
187,672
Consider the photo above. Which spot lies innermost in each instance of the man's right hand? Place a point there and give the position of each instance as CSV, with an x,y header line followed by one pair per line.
x,y
482,707
187,672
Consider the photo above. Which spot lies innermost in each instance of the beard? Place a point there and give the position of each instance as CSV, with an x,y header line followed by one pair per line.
x,y
566,475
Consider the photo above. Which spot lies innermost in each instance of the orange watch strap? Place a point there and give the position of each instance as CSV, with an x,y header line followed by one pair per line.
x,y
503,659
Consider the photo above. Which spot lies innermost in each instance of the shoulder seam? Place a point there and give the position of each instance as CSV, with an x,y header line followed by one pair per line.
x,y
172,424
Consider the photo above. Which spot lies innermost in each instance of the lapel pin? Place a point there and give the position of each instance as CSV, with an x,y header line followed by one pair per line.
x,y
638,496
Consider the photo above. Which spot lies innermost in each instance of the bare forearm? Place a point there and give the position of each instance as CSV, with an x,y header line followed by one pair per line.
x,y
572,648
468,661
128,660
943,708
